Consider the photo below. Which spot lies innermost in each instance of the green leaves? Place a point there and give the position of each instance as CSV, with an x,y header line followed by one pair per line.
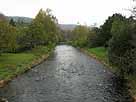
x,y
80,36
43,29
121,49
8,35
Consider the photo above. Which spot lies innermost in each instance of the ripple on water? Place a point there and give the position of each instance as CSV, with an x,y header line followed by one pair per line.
x,y
68,75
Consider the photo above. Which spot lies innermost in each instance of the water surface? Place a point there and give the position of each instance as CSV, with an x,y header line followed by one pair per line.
x,y
67,75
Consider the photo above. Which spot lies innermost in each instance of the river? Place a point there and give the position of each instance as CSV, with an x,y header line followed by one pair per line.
x,y
68,75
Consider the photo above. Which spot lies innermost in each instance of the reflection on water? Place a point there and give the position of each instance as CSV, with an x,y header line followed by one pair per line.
x,y
67,76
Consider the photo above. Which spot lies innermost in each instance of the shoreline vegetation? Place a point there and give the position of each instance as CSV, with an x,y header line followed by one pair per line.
x,y
25,45
101,54
14,64
113,44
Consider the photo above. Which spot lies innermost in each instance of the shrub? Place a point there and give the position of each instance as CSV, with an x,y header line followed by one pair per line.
x,y
121,51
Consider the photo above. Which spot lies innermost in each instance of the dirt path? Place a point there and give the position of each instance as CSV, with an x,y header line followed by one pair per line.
x,y
67,76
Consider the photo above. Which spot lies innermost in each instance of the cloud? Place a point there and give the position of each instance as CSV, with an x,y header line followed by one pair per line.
x,y
68,11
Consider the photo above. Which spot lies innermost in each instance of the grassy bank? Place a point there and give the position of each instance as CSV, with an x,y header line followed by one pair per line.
x,y
101,54
13,64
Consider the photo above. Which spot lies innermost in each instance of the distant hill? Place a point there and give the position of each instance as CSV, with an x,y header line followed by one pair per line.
x,y
2,17
17,18
29,20
67,26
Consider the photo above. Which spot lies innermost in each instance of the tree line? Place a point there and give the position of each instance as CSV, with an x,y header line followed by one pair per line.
x,y
117,35
19,36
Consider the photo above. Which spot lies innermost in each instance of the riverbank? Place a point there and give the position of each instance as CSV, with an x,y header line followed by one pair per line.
x,y
101,55
51,81
14,64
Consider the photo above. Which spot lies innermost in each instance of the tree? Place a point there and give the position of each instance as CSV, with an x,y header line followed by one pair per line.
x,y
120,47
11,22
43,29
8,36
105,30
80,36
93,38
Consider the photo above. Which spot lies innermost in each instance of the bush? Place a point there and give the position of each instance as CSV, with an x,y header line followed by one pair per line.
x,y
120,49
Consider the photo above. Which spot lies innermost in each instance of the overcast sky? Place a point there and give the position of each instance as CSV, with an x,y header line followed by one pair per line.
x,y
68,11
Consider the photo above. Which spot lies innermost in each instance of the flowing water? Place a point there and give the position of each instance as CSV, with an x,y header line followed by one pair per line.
x,y
68,75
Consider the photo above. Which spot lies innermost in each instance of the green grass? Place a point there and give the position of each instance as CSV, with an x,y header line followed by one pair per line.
x,y
12,64
99,52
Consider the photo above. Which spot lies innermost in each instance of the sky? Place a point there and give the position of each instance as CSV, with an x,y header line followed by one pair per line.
x,y
87,12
